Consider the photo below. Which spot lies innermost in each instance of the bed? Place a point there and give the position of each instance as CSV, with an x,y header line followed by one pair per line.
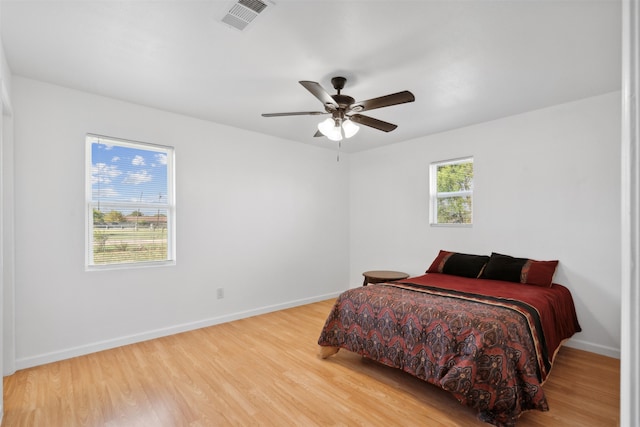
x,y
489,342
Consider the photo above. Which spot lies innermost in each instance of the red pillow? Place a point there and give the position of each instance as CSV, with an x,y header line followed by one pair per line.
x,y
539,273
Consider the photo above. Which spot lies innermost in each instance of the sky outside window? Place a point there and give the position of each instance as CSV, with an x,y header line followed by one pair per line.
x,y
126,174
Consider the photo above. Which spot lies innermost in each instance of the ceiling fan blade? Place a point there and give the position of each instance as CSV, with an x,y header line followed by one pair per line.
x,y
383,101
298,113
374,123
319,92
318,134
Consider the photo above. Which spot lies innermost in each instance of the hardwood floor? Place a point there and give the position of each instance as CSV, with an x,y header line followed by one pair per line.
x,y
264,370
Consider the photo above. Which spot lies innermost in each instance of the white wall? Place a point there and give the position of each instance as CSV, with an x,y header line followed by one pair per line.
x,y
265,219
547,186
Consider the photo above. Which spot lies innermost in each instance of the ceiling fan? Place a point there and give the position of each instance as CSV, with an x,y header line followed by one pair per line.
x,y
345,111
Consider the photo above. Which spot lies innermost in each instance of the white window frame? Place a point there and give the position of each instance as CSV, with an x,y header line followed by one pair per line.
x,y
169,205
435,197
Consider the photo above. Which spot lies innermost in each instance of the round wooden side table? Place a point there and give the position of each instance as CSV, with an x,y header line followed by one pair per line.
x,y
381,276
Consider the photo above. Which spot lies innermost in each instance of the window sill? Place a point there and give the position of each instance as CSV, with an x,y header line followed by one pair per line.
x,y
129,266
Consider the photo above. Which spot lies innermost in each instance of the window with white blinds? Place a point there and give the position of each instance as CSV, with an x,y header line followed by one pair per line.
x,y
451,192
130,203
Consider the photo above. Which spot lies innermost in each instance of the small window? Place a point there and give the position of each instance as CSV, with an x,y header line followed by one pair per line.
x,y
130,203
451,189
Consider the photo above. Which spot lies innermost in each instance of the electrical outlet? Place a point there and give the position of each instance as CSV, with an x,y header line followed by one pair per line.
x,y
220,293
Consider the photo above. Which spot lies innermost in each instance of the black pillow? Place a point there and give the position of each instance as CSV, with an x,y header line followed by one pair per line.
x,y
457,264
520,270
504,267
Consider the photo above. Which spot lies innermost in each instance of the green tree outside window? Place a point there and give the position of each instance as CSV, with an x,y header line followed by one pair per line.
x,y
452,192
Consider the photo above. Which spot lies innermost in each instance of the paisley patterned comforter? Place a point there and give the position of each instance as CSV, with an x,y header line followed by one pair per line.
x,y
489,343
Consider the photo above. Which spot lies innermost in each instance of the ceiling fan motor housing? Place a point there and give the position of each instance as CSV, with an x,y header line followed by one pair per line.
x,y
343,101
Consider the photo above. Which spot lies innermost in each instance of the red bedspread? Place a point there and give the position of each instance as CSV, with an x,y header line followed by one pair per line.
x,y
489,343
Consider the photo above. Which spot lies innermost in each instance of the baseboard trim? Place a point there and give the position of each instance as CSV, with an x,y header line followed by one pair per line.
x,y
42,359
594,348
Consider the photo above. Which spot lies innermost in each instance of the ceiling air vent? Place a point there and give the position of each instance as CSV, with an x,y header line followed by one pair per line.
x,y
242,12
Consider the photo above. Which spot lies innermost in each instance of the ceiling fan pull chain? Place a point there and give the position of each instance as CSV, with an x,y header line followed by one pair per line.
x,y
339,148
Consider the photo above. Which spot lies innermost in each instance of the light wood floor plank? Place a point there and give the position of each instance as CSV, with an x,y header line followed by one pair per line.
x,y
264,371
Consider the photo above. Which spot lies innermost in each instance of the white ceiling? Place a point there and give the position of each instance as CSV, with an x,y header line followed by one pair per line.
x,y
465,61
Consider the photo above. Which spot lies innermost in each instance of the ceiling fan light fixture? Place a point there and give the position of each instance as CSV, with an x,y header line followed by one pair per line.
x,y
331,129
349,128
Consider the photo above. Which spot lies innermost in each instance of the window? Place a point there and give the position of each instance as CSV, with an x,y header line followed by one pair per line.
x,y
130,203
451,192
